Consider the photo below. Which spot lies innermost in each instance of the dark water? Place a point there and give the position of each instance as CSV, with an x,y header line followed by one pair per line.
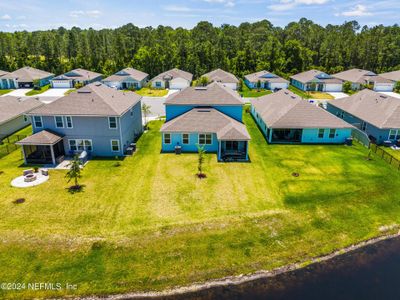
x,y
369,273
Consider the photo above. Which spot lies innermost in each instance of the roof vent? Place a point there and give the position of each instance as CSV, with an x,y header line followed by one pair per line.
x,y
200,88
98,84
383,96
286,93
293,97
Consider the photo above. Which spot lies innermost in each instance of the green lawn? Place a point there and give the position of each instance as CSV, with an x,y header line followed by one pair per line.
x,y
249,93
147,92
7,144
69,92
38,91
151,224
3,92
310,95
394,153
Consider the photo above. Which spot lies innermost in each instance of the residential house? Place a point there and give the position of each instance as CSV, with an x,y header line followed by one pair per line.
x,y
128,78
13,112
174,79
284,117
359,77
97,119
267,80
2,73
226,78
25,78
376,114
209,116
315,80
394,76
77,76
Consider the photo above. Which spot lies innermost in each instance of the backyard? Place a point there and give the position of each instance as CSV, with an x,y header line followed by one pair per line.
x,y
149,92
311,95
148,223
249,93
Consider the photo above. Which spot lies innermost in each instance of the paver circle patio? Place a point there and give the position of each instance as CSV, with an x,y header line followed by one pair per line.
x,y
20,182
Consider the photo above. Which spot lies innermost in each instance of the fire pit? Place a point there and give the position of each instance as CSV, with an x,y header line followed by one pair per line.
x,y
29,177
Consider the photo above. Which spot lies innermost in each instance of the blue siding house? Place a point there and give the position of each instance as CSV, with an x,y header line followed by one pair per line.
x,y
208,116
97,119
315,80
284,117
374,113
25,78
267,80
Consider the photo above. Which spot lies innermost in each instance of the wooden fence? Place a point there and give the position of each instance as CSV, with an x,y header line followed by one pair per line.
x,y
7,144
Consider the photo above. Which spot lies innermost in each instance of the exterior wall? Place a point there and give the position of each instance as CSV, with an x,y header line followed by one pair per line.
x,y
298,84
131,125
119,84
8,84
232,85
278,85
13,125
61,84
267,85
383,87
176,139
260,122
333,87
173,111
355,86
179,83
310,135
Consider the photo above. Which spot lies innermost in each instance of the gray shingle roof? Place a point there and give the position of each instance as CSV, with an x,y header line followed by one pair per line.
x,y
255,77
377,109
395,75
28,74
220,75
133,73
208,120
310,76
95,99
2,73
43,137
12,107
360,76
284,109
213,94
174,73
81,74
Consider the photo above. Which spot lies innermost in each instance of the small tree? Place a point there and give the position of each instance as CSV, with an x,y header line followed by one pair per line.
x,y
203,80
258,85
240,86
74,172
146,110
347,86
36,84
397,87
313,86
201,151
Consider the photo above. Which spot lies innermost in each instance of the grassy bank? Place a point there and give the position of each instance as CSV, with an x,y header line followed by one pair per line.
x,y
3,92
310,95
38,91
150,224
147,92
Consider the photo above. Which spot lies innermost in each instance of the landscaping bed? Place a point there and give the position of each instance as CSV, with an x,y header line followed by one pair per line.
x,y
253,93
38,91
3,92
147,92
150,224
311,95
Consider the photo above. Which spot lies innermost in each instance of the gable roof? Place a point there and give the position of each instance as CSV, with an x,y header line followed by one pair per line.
x,y
360,76
220,75
28,74
2,73
131,72
78,74
380,110
315,76
208,120
12,107
213,94
43,137
285,109
395,75
264,76
174,73
95,99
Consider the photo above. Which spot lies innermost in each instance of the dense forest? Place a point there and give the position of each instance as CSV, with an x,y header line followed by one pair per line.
x,y
239,49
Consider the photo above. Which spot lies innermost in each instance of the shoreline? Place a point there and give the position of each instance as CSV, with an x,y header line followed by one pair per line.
x,y
238,279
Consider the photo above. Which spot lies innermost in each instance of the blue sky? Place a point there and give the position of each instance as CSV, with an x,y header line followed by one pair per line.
x,y
33,14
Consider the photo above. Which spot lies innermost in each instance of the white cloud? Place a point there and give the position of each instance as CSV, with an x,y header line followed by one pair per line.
x,y
5,17
283,5
85,13
227,3
357,11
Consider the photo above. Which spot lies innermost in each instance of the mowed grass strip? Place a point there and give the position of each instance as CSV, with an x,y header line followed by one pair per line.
x,y
150,223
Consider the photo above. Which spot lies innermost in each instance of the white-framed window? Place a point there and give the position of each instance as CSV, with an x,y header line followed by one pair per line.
x,y
167,138
205,138
185,138
37,121
115,145
112,122
68,121
158,83
59,121
80,145
321,132
332,133
394,134
363,126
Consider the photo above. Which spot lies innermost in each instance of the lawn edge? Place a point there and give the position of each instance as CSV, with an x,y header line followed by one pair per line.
x,y
242,278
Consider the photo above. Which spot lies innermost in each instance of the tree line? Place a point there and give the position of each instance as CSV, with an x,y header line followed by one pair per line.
x,y
241,49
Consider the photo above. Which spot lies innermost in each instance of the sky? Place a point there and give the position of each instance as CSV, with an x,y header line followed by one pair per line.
x,y
47,14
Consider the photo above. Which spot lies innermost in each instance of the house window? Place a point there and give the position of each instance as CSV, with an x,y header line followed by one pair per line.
x,y
112,122
158,84
59,121
115,145
340,114
392,134
205,139
167,138
363,126
80,145
37,120
185,138
69,122
332,133
25,118
321,133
